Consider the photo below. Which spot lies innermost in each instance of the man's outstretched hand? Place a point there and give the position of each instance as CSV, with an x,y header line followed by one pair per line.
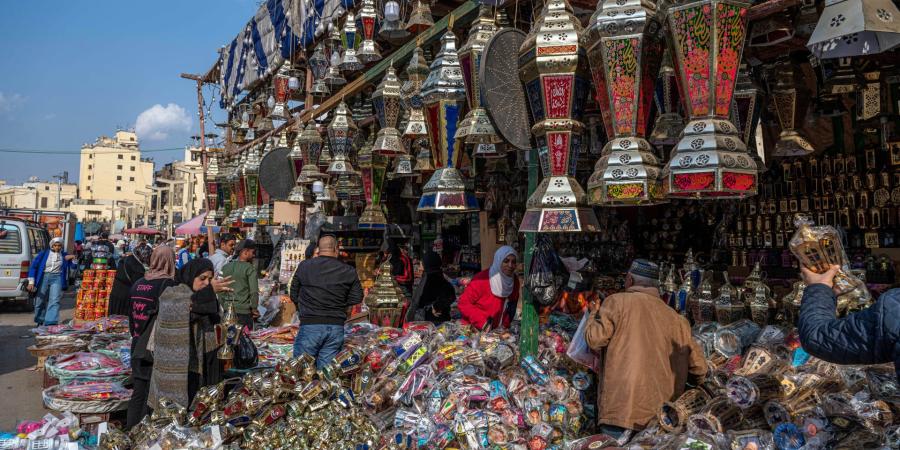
x,y
827,278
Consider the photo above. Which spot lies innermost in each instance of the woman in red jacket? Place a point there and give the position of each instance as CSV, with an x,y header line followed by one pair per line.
x,y
490,299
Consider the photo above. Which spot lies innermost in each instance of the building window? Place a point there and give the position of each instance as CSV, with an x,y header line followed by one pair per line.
x,y
130,178
90,156
46,188
90,166
132,168
43,202
89,178
118,188
119,167
133,157
121,156
118,177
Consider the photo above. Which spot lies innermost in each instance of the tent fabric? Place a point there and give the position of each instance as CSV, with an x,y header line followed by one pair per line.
x,y
191,227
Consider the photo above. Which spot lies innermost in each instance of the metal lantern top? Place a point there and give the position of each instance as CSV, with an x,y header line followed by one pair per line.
x,y
318,62
669,123
445,81
341,133
416,73
296,153
251,164
420,19
855,28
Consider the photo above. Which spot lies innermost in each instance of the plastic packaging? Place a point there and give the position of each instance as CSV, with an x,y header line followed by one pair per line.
x,y
820,247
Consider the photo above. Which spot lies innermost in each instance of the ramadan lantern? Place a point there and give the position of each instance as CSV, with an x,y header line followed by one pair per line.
x,y
295,156
310,145
669,123
392,27
251,185
239,186
333,76
411,95
553,68
623,51
386,100
318,64
341,132
284,89
372,167
368,49
710,160
476,127
349,39
420,18
746,111
212,189
444,95
789,96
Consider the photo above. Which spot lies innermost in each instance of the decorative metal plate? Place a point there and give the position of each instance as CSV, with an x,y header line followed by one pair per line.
x,y
501,88
275,175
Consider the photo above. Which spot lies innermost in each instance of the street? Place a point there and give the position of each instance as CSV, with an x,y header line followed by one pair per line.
x,y
20,384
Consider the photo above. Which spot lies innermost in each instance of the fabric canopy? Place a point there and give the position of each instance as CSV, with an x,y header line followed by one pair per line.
x,y
141,230
192,227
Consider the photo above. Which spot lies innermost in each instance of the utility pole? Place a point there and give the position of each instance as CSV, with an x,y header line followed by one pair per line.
x,y
171,184
59,179
203,155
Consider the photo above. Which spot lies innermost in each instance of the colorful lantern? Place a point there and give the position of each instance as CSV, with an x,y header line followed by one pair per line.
x,y
283,91
318,64
372,167
622,52
553,68
746,111
333,76
789,98
424,161
349,39
212,189
386,100
411,94
341,132
444,94
296,154
669,123
310,144
476,127
251,181
855,28
710,160
368,49
403,166
420,19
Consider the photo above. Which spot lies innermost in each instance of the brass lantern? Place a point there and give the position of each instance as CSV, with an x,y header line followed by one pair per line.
x,y
295,156
310,145
420,18
403,167
372,167
746,111
553,68
368,49
318,64
424,161
622,50
325,157
669,123
349,39
212,190
251,181
710,160
788,97
301,194
476,127
386,100
855,28
411,94
341,132
444,96
333,45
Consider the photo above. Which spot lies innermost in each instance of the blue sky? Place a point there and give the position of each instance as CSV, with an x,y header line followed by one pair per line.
x,y
71,71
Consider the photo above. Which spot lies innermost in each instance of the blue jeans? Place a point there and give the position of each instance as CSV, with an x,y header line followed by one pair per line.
x,y
46,303
322,342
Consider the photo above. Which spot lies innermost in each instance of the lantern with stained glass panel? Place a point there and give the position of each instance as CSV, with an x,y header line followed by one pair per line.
x,y
669,122
350,39
372,169
341,133
789,96
253,197
746,111
334,46
476,126
386,99
318,64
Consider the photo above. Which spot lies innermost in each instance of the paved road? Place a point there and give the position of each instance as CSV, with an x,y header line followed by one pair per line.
x,y
20,385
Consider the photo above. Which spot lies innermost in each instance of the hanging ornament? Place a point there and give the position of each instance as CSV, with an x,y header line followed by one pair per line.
x,y
251,181
283,92
622,52
710,160
328,195
444,94
554,71
300,194
310,145
296,154
424,161
386,100
392,29
868,102
790,105
212,190
746,111
420,19
411,94
855,28
372,168
368,49
318,64
325,158
476,126
403,166
333,76
341,132
349,39
669,123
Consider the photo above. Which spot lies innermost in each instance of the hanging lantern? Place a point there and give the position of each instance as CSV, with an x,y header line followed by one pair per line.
x,y
476,127
282,92
224,197
420,19
868,103
328,195
245,110
554,71
228,179
325,158
855,28
239,187
392,29
318,64
341,132
386,101
296,154
790,105
710,160
745,113
403,166
212,189
333,76
624,63
669,123
424,161
368,49
411,94
310,144
300,194
444,95
489,151
251,181
828,101
349,39
372,168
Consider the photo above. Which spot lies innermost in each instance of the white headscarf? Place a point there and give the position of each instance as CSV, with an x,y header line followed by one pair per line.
x,y
55,240
501,285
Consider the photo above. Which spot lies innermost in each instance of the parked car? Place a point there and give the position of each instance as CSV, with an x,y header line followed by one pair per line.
x,y
20,241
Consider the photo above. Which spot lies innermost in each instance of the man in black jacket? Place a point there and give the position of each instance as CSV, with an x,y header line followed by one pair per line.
x,y
323,289
870,336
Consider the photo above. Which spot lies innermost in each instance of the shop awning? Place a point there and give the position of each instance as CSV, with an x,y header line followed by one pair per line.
x,y
141,230
192,227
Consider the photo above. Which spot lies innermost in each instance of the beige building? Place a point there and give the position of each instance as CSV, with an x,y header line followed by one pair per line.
x,y
43,195
188,197
112,169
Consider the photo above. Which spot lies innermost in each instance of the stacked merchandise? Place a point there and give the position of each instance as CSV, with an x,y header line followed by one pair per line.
x,y
92,300
293,252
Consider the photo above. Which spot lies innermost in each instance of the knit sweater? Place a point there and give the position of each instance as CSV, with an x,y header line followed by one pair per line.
x,y
245,294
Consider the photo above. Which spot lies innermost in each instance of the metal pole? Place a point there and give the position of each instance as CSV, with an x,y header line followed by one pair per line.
x,y
529,330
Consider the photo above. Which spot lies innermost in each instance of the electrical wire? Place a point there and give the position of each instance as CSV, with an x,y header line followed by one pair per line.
x,y
71,153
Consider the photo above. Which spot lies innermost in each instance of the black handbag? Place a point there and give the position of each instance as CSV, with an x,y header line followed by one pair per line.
x,y
245,354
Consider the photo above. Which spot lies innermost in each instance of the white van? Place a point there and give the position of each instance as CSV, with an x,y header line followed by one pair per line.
x,y
20,241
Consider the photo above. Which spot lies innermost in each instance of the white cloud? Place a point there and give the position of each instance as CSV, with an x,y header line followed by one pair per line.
x,y
9,102
156,122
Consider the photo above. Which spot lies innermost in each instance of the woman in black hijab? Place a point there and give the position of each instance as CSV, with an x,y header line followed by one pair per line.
x,y
131,268
434,295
